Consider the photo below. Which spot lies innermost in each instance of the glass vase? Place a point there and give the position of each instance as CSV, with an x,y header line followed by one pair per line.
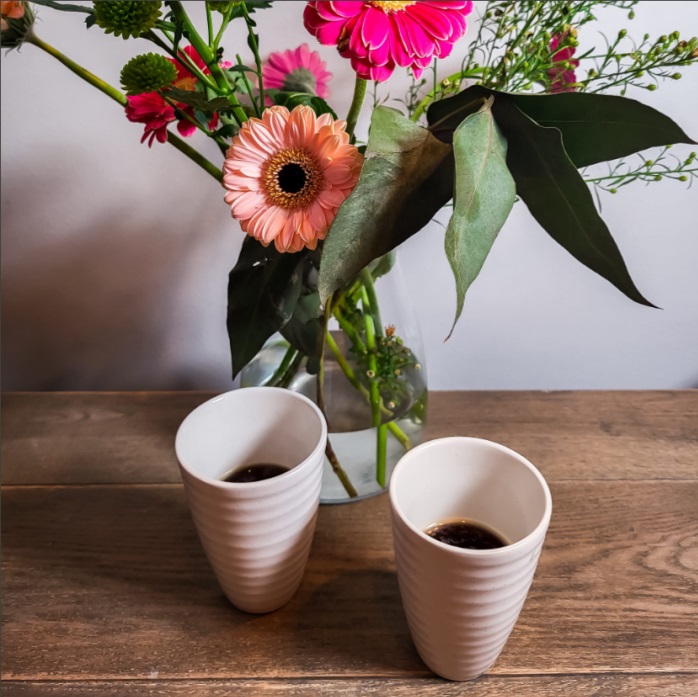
x,y
373,383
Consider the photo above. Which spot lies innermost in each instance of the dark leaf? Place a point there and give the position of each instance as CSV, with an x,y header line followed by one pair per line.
x,y
559,199
304,330
292,99
65,7
198,100
594,127
263,289
484,195
406,178
600,127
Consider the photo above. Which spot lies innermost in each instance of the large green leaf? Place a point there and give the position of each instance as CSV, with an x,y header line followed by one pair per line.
x,y
484,195
305,327
406,178
263,290
559,199
198,100
600,127
594,127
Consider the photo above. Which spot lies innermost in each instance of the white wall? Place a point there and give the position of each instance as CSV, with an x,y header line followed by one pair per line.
x,y
115,257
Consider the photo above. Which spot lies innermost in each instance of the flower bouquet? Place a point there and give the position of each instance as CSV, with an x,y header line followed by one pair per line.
x,y
324,208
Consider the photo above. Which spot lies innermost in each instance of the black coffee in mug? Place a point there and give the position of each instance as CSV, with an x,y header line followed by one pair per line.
x,y
467,534
255,472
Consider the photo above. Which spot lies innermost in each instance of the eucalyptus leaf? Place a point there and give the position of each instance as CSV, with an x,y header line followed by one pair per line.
x,y
484,194
263,289
406,178
559,199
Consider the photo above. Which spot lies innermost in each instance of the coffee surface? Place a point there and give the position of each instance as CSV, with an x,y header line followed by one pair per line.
x,y
255,472
466,534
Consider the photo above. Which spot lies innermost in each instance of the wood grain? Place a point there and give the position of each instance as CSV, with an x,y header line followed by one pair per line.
x,y
486,686
109,582
88,437
106,590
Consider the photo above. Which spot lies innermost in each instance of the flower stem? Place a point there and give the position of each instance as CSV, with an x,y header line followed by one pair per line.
x,y
283,367
356,103
209,58
320,383
120,97
381,450
86,75
429,98
252,39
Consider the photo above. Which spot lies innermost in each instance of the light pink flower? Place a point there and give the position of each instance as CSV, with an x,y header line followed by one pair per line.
x,y
152,110
287,174
561,77
299,70
377,36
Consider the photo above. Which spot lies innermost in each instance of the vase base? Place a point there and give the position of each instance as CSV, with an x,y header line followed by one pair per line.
x,y
356,452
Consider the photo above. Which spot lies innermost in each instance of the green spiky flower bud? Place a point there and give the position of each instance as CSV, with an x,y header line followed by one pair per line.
x,y
126,18
147,73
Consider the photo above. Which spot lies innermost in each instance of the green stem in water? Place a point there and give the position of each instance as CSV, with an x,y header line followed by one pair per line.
x,y
320,383
381,449
120,98
342,362
356,103
283,366
292,370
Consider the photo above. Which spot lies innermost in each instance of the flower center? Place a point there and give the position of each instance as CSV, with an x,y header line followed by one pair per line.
x,y
292,178
185,83
394,6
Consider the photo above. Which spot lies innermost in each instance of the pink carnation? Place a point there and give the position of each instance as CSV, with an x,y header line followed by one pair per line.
x,y
152,110
378,36
298,70
561,79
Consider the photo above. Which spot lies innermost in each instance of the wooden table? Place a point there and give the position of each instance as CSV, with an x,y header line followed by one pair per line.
x,y
106,591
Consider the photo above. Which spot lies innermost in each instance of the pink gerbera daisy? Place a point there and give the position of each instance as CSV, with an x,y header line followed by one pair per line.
x,y
152,110
287,174
377,36
299,70
562,75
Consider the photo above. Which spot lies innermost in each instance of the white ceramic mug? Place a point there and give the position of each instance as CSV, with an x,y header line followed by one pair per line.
x,y
256,535
461,604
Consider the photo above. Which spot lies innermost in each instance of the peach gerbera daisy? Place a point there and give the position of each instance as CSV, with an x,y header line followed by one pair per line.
x,y
287,174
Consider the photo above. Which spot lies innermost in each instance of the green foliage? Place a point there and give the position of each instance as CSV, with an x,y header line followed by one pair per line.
x,y
148,72
126,18
484,194
263,289
292,99
406,178
559,199
198,100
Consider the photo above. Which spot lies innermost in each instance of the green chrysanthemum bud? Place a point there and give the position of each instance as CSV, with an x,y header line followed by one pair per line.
x,y
17,21
126,18
221,6
147,73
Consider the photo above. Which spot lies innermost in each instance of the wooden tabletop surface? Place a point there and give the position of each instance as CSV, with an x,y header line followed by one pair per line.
x,y
106,591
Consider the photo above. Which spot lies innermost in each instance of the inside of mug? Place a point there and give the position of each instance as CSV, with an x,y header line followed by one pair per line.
x,y
246,427
469,479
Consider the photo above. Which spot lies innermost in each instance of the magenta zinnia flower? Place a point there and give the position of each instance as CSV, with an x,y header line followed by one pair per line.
x,y
152,110
299,70
287,174
562,78
377,36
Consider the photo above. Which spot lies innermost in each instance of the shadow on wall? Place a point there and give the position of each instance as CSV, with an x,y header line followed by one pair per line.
x,y
96,305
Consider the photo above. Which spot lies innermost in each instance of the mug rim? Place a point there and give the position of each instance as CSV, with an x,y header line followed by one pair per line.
x,y
541,527
253,486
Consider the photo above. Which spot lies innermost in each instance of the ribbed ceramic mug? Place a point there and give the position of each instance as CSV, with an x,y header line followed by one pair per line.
x,y
461,604
256,535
